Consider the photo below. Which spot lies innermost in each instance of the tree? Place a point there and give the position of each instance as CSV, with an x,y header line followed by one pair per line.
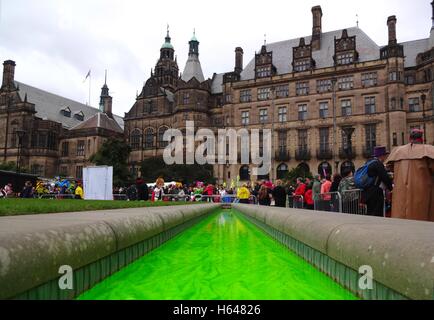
x,y
154,168
114,153
296,173
8,166
12,167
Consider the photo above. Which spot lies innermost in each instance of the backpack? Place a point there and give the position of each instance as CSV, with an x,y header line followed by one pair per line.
x,y
361,178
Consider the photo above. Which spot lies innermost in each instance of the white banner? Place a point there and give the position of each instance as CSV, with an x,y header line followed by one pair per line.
x,y
98,183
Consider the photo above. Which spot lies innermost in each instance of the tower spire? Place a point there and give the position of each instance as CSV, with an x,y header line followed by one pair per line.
x,y
104,94
193,69
167,43
194,44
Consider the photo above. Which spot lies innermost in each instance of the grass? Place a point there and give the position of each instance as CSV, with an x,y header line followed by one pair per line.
x,y
16,207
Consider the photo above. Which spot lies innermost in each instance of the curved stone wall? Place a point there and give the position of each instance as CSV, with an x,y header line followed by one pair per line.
x,y
400,252
32,248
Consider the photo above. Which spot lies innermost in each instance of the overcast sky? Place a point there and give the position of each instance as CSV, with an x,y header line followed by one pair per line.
x,y
56,42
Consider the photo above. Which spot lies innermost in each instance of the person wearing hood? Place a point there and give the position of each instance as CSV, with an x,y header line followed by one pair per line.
x,y
413,167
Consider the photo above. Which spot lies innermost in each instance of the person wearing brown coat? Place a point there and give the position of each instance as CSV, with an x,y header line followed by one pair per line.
x,y
413,166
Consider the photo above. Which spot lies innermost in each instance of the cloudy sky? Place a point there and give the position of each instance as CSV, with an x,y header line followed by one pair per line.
x,y
56,42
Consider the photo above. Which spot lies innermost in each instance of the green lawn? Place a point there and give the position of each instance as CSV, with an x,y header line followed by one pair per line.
x,y
15,207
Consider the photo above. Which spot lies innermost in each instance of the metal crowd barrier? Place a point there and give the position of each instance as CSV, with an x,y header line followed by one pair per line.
x,y
117,197
56,196
120,197
175,197
330,202
295,202
228,199
348,202
352,202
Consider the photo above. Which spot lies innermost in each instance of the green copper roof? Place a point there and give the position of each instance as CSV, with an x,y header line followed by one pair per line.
x,y
194,38
167,45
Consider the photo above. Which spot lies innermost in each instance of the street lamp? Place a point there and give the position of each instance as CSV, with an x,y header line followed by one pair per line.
x,y
423,97
335,128
20,134
8,108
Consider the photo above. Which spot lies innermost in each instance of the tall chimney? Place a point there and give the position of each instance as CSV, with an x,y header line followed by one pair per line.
x,y
391,25
317,28
239,53
8,74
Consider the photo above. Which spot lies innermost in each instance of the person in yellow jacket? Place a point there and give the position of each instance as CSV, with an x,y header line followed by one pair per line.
x,y
243,194
79,192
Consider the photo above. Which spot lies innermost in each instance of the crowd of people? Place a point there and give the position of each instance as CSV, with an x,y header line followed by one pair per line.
x,y
63,189
305,193
265,193
7,191
371,183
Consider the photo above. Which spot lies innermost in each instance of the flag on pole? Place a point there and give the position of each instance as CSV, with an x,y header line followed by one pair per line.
x,y
87,76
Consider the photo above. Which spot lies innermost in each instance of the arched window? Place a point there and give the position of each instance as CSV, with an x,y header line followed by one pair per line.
x,y
325,170
245,173
135,139
14,137
161,143
348,165
304,168
282,171
149,139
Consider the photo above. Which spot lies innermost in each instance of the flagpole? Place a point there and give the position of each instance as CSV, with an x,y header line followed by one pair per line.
x,y
90,88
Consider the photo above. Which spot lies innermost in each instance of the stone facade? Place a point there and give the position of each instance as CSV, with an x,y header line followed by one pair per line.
x,y
58,135
329,98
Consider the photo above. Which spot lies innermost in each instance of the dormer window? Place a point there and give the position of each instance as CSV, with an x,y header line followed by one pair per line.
x,y
345,50
344,58
302,57
302,65
264,64
66,112
263,72
79,116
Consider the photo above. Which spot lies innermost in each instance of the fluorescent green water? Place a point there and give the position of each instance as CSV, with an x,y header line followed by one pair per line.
x,y
224,257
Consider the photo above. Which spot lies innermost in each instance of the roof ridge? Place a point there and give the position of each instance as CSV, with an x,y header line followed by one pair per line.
x,y
59,96
422,39
310,36
55,94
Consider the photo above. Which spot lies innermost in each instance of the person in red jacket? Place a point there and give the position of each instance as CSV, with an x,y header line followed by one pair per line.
x,y
309,198
209,191
299,193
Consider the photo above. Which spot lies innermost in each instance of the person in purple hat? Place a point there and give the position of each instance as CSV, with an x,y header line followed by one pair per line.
x,y
374,194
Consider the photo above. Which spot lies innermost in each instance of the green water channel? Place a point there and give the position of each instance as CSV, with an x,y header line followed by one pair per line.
x,y
224,257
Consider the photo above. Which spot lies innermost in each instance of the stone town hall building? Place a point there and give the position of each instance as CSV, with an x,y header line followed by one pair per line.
x,y
329,98
48,134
